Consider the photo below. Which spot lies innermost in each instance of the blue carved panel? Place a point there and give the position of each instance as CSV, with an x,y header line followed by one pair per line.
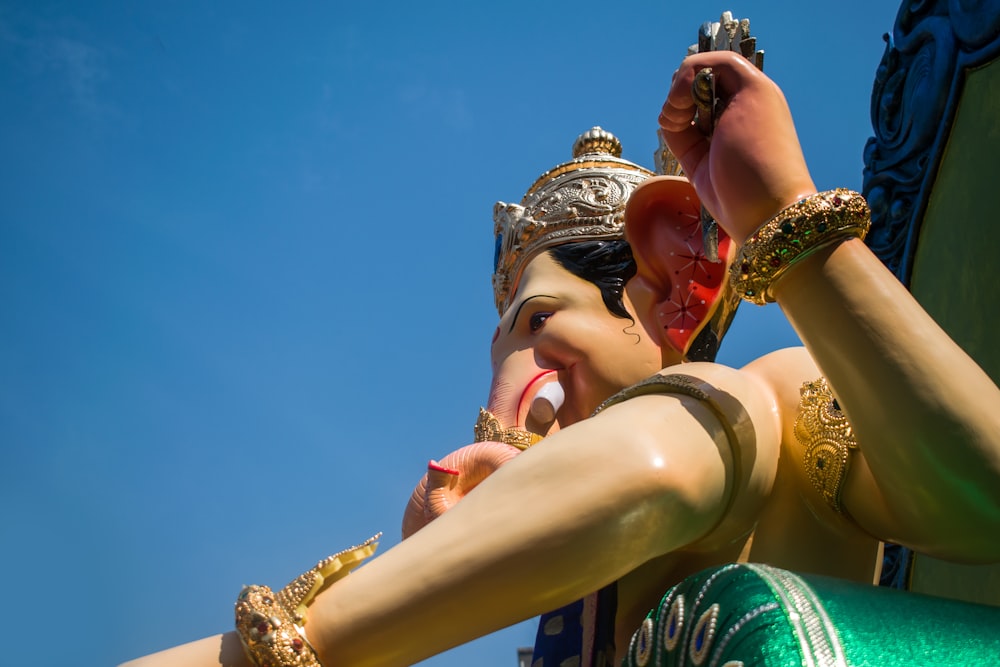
x,y
916,92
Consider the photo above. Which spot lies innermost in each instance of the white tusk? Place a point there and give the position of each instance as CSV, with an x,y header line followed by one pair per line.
x,y
547,402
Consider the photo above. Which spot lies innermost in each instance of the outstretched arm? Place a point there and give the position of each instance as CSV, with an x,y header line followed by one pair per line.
x,y
927,418
641,479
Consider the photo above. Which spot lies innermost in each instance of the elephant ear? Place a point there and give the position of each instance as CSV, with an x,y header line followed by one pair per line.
x,y
662,224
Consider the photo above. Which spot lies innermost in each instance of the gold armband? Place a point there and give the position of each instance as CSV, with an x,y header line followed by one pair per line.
x,y
270,625
796,232
704,393
675,383
822,428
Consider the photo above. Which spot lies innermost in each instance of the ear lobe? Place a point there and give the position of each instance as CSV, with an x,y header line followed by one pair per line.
x,y
662,224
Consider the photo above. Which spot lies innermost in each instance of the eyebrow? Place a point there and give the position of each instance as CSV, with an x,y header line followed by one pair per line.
x,y
522,306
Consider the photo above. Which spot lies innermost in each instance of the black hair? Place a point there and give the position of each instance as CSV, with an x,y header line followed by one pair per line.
x,y
607,264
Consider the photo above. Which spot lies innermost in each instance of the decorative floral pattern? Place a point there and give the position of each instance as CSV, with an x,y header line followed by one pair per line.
x,y
916,92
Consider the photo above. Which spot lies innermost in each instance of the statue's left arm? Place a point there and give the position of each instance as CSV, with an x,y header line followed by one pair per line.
x,y
925,416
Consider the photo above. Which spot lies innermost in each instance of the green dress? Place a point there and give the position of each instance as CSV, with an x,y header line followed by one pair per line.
x,y
747,614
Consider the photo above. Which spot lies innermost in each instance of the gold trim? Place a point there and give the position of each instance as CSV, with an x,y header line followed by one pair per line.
x,y
795,233
489,429
270,625
822,428
579,200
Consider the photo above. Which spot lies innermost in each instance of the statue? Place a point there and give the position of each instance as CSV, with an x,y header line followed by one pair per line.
x,y
883,429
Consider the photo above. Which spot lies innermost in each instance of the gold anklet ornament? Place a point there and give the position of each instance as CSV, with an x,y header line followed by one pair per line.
x,y
821,427
799,230
270,625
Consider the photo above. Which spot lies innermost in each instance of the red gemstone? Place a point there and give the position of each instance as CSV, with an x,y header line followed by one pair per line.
x,y
297,644
745,268
837,201
775,261
263,627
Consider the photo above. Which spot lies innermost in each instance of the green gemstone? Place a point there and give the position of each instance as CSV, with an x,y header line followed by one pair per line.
x,y
787,228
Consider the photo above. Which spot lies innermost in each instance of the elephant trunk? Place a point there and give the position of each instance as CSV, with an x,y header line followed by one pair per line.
x,y
451,479
522,407
526,402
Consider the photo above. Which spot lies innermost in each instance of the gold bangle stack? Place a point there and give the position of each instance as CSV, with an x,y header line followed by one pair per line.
x,y
270,625
796,232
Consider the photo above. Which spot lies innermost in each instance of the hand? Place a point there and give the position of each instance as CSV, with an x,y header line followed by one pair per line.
x,y
752,166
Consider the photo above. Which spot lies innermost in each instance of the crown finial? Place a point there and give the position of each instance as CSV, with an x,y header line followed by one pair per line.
x,y
597,140
580,200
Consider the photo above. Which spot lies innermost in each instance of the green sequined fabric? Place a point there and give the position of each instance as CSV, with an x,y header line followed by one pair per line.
x,y
744,614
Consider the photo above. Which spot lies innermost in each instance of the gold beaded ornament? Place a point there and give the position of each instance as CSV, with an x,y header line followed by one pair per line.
x,y
489,428
270,625
796,232
822,428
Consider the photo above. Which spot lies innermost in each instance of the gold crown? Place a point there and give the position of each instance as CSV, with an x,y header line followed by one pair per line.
x,y
580,200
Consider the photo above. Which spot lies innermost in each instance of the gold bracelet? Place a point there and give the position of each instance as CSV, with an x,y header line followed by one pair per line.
x,y
821,427
796,232
270,625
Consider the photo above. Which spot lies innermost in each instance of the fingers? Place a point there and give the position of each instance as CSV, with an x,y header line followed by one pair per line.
x,y
753,161
686,141
733,71
689,146
732,74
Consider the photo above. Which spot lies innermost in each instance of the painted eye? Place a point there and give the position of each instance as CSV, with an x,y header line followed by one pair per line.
x,y
537,321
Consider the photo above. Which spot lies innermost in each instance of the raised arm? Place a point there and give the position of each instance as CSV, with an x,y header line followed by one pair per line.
x,y
926,417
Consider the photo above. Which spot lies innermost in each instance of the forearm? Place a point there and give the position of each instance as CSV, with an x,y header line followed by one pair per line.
x,y
218,651
926,416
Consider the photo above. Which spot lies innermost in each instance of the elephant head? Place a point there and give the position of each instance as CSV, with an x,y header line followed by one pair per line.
x,y
596,196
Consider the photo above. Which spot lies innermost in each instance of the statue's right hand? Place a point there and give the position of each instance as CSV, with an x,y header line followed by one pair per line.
x,y
752,165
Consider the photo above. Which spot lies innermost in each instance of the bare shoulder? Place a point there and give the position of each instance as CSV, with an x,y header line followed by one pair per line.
x,y
770,384
783,373
750,434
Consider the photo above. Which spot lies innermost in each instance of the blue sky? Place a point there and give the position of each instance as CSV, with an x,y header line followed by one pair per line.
x,y
242,243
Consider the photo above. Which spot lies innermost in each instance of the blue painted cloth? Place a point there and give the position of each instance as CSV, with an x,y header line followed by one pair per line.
x,y
581,633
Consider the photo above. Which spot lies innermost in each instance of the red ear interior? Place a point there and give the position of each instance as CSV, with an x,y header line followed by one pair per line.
x,y
662,226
